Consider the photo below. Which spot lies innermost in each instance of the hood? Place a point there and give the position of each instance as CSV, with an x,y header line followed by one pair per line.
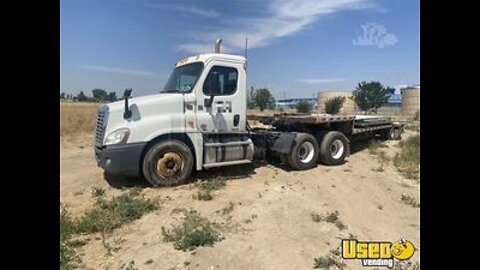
x,y
144,107
157,103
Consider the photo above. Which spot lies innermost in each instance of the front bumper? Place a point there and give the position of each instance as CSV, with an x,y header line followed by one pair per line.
x,y
120,159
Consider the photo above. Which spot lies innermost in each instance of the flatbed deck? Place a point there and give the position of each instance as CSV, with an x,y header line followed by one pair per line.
x,y
361,123
301,118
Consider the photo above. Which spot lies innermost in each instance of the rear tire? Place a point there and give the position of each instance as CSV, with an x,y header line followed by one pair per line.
x,y
167,163
387,134
304,154
334,148
283,158
396,134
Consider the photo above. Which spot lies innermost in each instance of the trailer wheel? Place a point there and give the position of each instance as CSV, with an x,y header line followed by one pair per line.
x,y
396,134
334,148
387,134
304,154
167,163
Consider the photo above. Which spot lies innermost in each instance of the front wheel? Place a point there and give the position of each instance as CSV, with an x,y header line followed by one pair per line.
x,y
167,163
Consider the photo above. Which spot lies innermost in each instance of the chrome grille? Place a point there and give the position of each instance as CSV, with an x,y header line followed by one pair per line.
x,y
100,125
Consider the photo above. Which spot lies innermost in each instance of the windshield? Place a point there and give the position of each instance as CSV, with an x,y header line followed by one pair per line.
x,y
183,78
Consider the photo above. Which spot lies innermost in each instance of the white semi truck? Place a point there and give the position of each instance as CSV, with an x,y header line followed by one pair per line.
x,y
199,121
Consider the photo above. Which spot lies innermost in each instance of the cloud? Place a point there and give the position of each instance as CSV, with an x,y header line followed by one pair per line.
x,y
282,18
123,71
188,9
321,80
375,34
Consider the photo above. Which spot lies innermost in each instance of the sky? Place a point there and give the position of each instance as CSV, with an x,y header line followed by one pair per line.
x,y
296,48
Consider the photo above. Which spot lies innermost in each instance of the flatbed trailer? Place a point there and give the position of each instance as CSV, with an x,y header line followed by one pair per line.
x,y
292,137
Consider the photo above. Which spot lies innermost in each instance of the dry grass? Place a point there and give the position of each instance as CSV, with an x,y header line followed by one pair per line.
x,y
77,118
408,160
77,122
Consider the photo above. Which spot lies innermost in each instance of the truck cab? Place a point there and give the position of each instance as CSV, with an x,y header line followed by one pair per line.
x,y
197,121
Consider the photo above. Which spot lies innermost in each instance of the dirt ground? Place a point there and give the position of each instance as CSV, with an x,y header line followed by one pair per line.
x,y
271,225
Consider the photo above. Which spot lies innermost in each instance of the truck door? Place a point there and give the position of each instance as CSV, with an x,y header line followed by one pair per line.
x,y
221,102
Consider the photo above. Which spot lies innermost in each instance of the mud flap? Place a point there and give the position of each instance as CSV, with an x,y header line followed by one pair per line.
x,y
283,144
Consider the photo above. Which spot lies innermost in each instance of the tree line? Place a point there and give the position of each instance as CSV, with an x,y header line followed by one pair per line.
x,y
98,95
369,96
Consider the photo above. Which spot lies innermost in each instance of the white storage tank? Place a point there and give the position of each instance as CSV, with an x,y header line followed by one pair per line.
x,y
410,100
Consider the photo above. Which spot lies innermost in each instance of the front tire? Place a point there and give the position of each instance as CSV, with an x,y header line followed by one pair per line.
x,y
167,163
334,148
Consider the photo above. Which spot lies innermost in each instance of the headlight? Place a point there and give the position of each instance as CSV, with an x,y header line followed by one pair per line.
x,y
118,136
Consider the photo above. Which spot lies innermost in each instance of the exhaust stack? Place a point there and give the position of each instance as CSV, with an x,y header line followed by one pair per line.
x,y
217,45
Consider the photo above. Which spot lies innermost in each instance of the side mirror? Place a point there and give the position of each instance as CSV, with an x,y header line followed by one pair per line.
x,y
127,93
127,112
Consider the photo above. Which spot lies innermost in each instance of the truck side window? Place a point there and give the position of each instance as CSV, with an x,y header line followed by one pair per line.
x,y
227,80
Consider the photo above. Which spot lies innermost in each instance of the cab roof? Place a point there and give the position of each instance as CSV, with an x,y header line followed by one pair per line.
x,y
211,56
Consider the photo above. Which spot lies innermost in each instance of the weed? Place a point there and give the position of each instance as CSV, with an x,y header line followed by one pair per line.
x,y
409,200
227,209
340,225
380,168
329,260
131,266
408,160
416,116
406,265
109,215
316,217
193,232
382,155
179,210
106,216
77,243
98,192
150,261
330,218
204,195
413,127
111,248
352,236
373,146
206,188
68,257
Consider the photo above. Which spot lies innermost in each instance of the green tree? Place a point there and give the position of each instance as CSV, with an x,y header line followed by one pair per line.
x,y
81,97
263,99
100,94
304,106
333,105
250,101
371,96
112,96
